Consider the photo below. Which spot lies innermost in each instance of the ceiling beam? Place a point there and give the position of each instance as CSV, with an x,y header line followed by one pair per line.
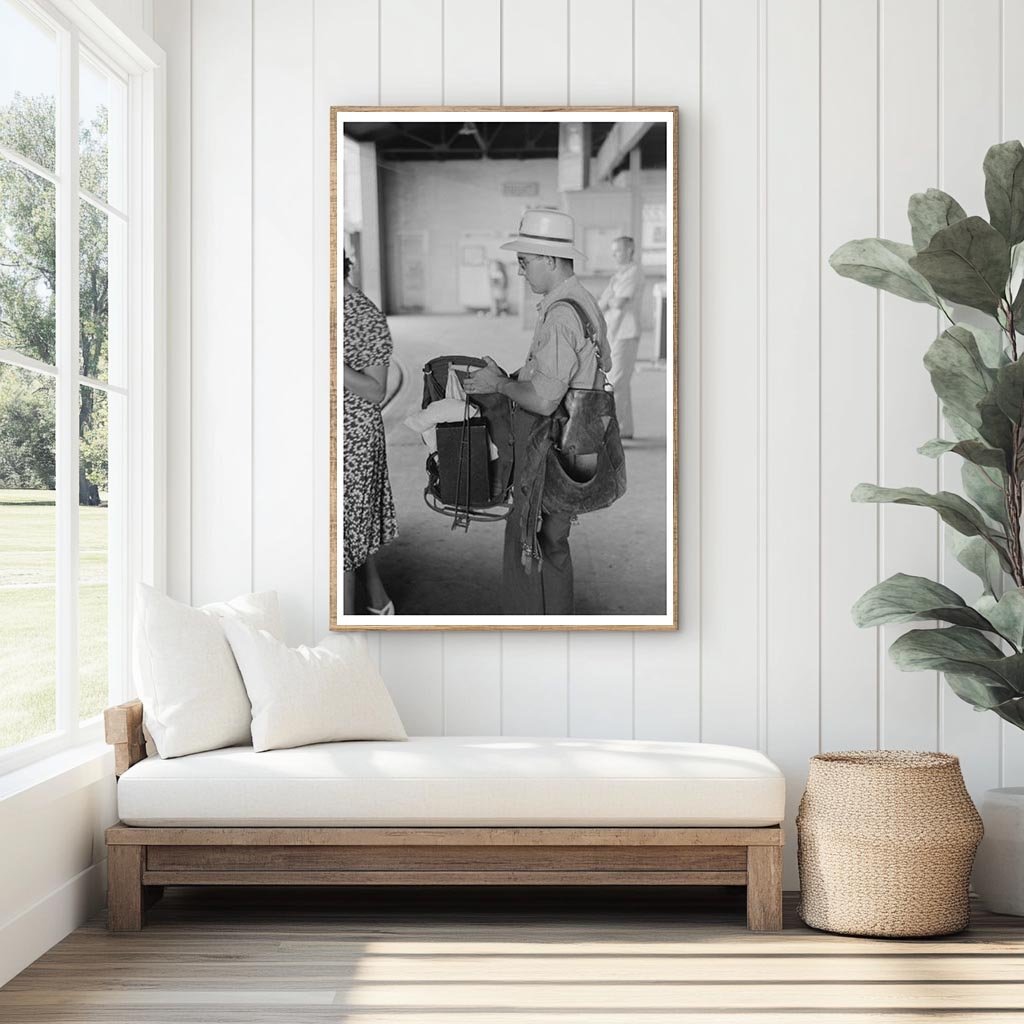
x,y
620,141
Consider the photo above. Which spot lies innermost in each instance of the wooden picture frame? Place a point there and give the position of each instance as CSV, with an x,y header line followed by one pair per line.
x,y
402,261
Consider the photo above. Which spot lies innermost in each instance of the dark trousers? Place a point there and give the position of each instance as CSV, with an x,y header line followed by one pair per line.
x,y
547,588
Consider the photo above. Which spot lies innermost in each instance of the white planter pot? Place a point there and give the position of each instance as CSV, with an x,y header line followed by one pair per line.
x,y
999,866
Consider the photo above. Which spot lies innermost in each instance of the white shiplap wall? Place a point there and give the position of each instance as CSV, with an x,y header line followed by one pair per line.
x,y
803,123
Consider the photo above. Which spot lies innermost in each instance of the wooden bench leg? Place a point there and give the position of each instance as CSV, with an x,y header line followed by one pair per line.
x,y
764,888
125,897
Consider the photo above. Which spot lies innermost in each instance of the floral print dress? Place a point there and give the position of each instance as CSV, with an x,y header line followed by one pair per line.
x,y
369,512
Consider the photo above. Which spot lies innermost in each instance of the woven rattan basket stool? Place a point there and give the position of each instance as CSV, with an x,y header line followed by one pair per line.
x,y
885,841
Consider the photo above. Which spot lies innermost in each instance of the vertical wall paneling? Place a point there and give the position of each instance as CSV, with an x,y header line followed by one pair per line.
x,y
411,69
968,125
283,339
778,421
373,643
472,684
221,370
346,48
729,495
849,372
412,72
600,684
472,52
909,415
173,30
351,30
601,52
666,666
414,671
534,54
792,416
535,684
472,681
472,661
1012,127
600,72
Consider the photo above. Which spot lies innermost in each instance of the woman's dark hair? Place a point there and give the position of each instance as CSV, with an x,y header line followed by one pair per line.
x,y
347,266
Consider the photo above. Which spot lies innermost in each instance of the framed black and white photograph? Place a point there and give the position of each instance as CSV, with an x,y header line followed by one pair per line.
x,y
504,352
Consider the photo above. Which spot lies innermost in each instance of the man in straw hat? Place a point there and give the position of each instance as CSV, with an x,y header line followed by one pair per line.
x,y
537,566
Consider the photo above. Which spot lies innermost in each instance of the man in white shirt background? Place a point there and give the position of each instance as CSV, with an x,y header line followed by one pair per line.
x,y
620,303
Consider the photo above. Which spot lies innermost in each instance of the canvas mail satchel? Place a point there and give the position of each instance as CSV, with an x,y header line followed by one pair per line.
x,y
586,467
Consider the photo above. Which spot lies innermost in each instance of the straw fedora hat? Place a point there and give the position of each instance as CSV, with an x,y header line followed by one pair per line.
x,y
546,233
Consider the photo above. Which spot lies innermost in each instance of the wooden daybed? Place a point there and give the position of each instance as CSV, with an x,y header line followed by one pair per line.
x,y
144,858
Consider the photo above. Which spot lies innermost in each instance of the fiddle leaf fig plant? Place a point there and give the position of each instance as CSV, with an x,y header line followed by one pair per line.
x,y
978,376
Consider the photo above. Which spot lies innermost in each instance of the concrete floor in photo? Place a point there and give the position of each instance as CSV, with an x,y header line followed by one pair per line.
x,y
619,554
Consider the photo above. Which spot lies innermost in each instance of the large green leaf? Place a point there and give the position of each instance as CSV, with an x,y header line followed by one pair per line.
x,y
903,598
962,430
986,488
1015,285
1006,614
976,555
958,372
954,510
996,427
967,263
1009,390
1004,189
1017,308
883,264
1012,710
990,344
983,694
932,211
1016,278
973,451
964,652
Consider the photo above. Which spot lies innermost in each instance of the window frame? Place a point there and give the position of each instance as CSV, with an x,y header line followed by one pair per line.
x,y
139,63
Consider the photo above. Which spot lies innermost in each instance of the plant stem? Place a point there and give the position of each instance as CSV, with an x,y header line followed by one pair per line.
x,y
1013,510
1013,482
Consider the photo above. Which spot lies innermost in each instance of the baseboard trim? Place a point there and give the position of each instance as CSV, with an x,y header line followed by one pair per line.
x,y
26,937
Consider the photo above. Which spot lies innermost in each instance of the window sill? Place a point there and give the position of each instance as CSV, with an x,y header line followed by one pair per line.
x,y
56,776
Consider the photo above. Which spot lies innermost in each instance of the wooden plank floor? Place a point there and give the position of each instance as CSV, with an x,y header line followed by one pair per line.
x,y
219,956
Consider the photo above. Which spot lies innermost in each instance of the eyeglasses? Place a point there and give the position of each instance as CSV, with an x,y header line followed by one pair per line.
x,y
525,261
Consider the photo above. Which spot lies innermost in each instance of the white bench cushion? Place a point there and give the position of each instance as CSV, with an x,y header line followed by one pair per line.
x,y
459,780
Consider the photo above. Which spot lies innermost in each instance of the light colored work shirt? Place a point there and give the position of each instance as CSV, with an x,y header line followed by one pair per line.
x,y
560,356
626,285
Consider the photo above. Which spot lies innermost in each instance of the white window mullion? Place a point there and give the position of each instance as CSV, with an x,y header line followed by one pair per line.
x,y
30,165
12,358
111,211
67,387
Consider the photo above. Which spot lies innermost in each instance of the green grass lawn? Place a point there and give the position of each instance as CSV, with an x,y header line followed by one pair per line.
x,y
28,614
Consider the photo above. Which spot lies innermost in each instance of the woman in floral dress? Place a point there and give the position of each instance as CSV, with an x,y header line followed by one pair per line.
x,y
369,510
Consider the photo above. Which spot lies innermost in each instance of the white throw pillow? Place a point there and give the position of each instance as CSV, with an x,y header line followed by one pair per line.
x,y
309,694
192,693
